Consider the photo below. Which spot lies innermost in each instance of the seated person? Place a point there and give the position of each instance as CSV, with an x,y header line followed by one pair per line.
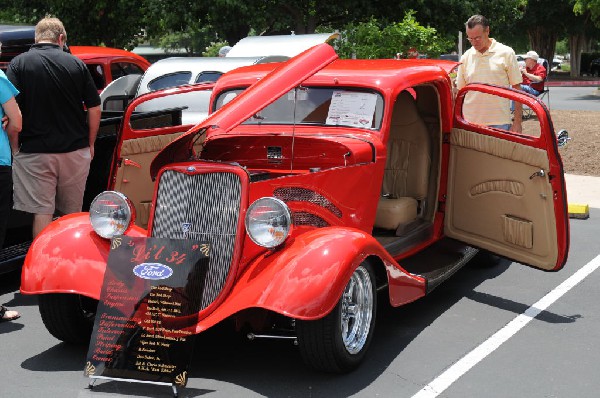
x,y
534,74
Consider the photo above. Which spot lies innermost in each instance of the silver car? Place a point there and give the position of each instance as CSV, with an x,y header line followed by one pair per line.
x,y
176,71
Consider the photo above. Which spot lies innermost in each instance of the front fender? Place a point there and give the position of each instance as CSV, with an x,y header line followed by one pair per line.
x,y
306,278
68,257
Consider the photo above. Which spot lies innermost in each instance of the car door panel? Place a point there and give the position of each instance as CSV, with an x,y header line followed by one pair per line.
x,y
505,191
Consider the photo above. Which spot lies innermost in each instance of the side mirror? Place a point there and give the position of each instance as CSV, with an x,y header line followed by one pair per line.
x,y
562,138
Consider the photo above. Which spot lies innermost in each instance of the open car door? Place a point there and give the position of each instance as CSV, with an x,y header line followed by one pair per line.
x,y
144,133
506,191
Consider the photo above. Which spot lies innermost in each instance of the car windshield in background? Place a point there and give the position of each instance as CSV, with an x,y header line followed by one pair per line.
x,y
170,80
120,69
319,106
181,78
205,77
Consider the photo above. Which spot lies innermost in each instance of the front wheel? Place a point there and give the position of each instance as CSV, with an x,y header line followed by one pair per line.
x,y
339,341
68,317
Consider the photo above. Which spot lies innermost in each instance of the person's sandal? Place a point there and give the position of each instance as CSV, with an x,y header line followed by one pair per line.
x,y
8,315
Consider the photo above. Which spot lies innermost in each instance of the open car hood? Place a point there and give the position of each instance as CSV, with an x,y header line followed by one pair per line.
x,y
251,101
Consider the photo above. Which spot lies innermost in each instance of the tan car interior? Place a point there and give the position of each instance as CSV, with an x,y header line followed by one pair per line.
x,y
412,164
499,196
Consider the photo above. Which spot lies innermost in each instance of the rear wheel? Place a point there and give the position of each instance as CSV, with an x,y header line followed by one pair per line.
x,y
339,341
68,317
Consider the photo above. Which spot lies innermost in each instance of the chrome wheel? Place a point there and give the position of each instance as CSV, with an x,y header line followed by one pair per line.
x,y
339,341
357,311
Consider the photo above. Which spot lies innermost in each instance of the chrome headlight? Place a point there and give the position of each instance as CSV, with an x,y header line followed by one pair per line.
x,y
268,222
111,213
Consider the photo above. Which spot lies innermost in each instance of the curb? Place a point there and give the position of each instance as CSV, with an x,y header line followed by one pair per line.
x,y
572,83
579,211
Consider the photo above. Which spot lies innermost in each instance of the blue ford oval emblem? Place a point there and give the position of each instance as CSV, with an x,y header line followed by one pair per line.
x,y
153,271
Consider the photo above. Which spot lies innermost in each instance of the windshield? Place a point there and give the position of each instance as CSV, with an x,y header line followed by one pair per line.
x,y
318,106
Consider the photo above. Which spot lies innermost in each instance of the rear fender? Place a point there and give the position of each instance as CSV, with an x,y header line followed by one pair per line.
x,y
306,278
68,257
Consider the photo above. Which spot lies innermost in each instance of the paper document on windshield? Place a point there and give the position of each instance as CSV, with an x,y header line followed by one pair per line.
x,y
350,108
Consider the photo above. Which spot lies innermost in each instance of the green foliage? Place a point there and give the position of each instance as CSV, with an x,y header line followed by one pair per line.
x,y
369,24
108,22
212,50
591,6
371,40
448,17
562,46
193,41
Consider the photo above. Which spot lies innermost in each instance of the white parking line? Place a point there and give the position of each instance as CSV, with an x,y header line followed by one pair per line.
x,y
445,380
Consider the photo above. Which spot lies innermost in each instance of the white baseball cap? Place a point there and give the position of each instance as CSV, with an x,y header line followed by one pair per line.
x,y
533,55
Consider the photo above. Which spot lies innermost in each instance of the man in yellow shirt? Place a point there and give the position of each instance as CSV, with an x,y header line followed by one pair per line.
x,y
488,61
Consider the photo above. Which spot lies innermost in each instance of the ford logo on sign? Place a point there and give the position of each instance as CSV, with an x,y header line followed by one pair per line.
x,y
154,271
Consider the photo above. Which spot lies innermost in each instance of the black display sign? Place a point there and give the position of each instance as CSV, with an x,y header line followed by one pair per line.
x,y
148,310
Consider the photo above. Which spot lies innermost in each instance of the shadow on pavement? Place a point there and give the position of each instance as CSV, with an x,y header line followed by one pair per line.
x,y
12,326
142,390
62,357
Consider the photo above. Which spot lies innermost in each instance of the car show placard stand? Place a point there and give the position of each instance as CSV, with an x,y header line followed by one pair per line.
x,y
144,329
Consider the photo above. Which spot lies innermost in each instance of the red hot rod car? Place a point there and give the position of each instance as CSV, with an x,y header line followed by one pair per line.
x,y
318,182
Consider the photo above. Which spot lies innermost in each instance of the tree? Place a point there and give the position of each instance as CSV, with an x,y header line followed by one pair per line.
x,y
448,17
111,23
590,10
591,6
370,40
545,21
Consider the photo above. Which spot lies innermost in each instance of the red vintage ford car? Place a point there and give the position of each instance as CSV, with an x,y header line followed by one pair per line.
x,y
318,182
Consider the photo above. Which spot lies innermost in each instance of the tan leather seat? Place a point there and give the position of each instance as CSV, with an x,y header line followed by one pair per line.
x,y
406,175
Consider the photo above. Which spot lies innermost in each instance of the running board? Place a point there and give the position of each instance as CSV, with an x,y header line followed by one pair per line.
x,y
11,258
439,261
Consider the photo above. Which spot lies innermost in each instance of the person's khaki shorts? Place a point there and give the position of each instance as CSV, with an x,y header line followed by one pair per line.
x,y
45,182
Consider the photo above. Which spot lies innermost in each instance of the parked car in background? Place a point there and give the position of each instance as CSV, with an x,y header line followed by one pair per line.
x,y
107,64
450,57
595,67
284,45
104,63
179,71
321,187
15,40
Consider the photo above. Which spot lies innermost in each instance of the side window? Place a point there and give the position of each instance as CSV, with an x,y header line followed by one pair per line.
x,y
120,69
97,75
170,80
498,112
208,77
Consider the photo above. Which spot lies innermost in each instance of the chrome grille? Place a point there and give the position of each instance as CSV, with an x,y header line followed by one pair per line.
x,y
203,207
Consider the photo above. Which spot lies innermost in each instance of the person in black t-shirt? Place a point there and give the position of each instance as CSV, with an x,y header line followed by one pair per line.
x,y
56,144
